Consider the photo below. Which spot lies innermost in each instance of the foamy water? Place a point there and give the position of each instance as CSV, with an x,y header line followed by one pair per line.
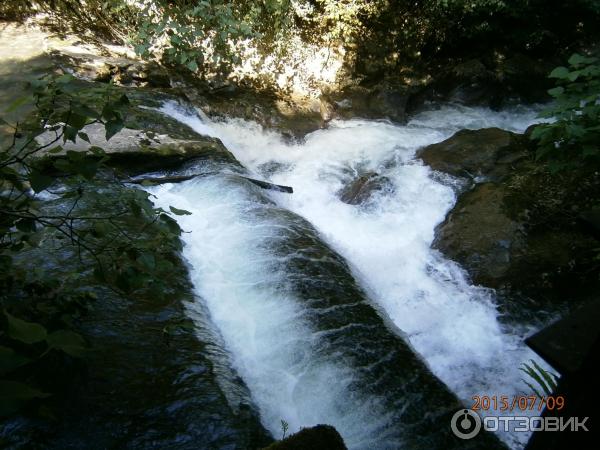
x,y
451,323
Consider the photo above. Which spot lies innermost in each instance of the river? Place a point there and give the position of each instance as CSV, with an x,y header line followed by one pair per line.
x,y
320,302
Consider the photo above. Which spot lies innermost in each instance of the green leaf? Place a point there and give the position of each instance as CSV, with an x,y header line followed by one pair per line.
x,y
559,72
179,212
39,181
11,360
122,101
576,60
192,65
77,121
14,395
87,167
135,208
557,91
66,78
85,111
536,376
25,225
100,229
171,223
70,133
27,332
547,377
140,49
84,136
537,132
63,165
113,126
67,341
98,151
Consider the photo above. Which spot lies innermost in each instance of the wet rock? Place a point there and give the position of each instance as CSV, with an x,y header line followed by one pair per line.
x,y
380,101
154,379
86,64
489,152
491,82
412,402
294,118
136,151
479,235
326,109
361,189
319,437
524,231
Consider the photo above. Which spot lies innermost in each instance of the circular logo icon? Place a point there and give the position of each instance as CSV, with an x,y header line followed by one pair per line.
x,y
465,423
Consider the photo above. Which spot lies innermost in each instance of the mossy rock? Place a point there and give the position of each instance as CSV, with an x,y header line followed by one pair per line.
x,y
171,156
489,152
524,231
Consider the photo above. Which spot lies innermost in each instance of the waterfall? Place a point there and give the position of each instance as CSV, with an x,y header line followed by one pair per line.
x,y
249,264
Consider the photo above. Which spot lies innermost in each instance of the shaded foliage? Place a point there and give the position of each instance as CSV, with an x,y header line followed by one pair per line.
x,y
70,208
379,36
573,137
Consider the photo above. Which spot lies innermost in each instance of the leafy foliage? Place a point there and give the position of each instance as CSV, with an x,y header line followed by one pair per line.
x,y
573,138
69,207
16,9
211,37
545,380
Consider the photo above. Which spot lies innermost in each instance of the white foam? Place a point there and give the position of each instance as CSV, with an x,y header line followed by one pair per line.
x,y
451,323
262,324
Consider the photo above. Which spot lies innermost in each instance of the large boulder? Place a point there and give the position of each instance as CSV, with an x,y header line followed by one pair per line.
x,y
135,151
489,152
519,228
382,100
293,118
86,63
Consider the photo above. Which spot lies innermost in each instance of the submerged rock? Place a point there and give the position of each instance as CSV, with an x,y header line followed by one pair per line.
x,y
362,188
319,437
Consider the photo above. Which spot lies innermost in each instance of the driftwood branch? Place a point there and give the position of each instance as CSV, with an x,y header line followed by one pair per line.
x,y
148,181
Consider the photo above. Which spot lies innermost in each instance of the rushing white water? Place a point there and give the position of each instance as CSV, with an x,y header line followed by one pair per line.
x,y
261,322
452,324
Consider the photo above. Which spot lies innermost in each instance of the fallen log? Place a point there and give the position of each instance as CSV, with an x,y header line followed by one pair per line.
x,y
271,186
151,181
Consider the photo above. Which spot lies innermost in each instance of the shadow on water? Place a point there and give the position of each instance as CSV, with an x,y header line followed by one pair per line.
x,y
142,388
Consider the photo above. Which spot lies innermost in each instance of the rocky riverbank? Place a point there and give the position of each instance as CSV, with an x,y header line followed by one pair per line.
x,y
517,227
